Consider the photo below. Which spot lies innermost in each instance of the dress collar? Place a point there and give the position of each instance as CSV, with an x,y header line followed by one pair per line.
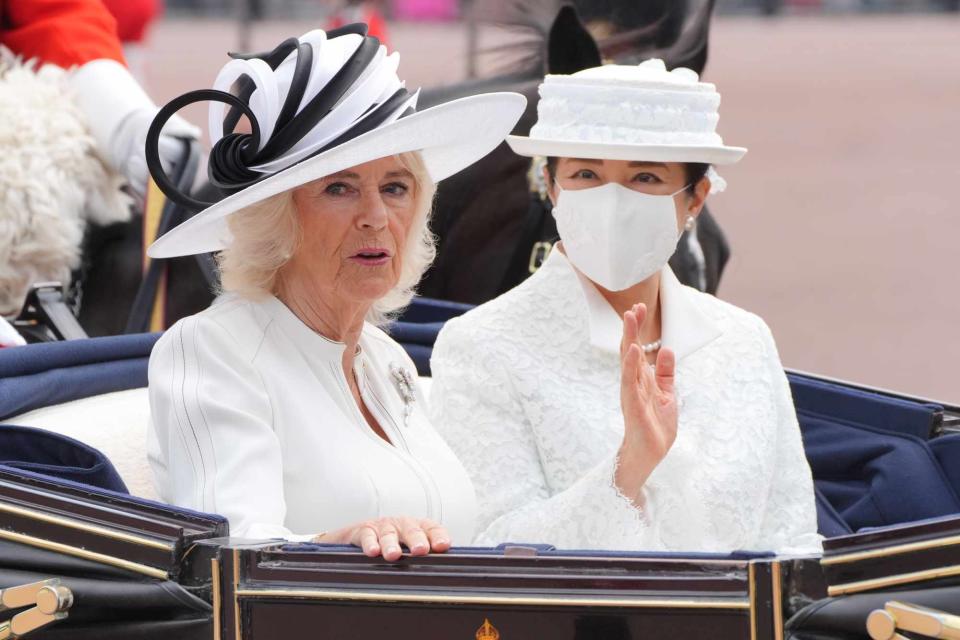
x,y
312,342
685,327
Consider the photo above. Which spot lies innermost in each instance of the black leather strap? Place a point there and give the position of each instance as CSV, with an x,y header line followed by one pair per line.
x,y
173,214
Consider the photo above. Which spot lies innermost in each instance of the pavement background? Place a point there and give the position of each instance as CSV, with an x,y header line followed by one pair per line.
x,y
843,217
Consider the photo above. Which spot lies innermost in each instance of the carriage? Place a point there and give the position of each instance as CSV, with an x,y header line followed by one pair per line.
x,y
86,551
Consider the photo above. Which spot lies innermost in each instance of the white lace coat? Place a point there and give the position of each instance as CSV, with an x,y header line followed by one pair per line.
x,y
526,392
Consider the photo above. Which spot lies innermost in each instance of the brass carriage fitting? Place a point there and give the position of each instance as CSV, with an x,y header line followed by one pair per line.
x,y
50,601
882,626
883,623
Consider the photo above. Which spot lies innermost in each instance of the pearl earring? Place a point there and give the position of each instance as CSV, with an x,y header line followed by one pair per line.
x,y
690,223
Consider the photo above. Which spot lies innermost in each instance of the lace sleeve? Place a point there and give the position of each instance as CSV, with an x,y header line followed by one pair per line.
x,y
475,408
789,523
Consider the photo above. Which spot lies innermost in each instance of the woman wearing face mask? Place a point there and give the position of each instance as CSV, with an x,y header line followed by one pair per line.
x,y
601,404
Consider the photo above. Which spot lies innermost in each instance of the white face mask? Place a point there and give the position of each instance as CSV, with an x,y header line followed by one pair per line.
x,y
617,236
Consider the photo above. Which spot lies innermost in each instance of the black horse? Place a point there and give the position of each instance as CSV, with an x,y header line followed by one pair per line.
x,y
493,231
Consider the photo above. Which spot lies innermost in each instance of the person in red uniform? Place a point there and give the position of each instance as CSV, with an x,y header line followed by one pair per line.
x,y
83,34
134,17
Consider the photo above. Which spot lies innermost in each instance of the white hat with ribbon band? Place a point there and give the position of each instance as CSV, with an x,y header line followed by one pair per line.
x,y
317,104
619,112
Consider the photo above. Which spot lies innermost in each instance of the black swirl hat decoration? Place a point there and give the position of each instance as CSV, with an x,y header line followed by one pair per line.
x,y
308,95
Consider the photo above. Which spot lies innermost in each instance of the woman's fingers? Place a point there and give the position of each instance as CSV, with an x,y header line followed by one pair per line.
x,y
390,541
414,537
640,311
630,368
666,369
630,332
632,323
386,535
367,538
438,535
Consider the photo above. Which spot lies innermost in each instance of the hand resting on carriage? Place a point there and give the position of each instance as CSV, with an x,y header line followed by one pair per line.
x,y
384,536
649,408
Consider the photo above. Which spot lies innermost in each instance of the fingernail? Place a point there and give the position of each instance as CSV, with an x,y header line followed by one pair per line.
x,y
442,541
393,550
418,548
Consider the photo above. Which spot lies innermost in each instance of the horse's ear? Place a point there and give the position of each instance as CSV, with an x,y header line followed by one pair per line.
x,y
570,47
691,48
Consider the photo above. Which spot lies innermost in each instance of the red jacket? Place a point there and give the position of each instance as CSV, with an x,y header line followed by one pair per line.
x,y
60,32
134,17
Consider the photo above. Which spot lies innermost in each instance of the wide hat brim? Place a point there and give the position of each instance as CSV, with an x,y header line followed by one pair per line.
x,y
717,155
450,137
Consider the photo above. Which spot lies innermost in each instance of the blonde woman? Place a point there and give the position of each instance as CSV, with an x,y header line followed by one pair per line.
x,y
283,406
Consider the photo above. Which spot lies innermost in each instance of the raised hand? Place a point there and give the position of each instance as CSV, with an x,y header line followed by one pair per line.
x,y
649,408
384,536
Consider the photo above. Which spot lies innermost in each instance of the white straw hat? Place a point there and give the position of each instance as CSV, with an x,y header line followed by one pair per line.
x,y
616,112
319,104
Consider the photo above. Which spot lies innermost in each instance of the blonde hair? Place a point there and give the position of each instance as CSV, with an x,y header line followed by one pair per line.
x,y
268,233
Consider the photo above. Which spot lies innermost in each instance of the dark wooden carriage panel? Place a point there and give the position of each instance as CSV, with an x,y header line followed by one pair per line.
x,y
269,619
275,591
905,556
112,529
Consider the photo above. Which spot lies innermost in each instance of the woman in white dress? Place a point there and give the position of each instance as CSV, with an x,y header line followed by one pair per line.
x,y
283,406
601,404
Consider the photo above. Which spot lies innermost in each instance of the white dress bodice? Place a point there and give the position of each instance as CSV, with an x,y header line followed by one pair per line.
x,y
252,418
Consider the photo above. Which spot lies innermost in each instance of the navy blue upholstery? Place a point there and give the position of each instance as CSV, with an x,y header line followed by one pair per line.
x,y
866,408
830,524
869,457
417,339
419,325
40,375
872,476
947,451
430,310
52,454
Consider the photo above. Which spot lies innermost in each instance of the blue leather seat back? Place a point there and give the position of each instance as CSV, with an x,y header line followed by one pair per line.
x,y
856,406
417,329
947,451
870,475
417,340
41,375
432,311
52,454
829,523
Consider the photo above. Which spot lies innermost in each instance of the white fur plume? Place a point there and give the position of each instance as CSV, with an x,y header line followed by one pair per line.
x,y
52,183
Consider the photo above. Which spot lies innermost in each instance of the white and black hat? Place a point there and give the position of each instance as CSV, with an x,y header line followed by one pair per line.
x,y
318,104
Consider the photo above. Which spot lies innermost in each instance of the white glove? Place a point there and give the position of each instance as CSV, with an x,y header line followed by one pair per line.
x,y
9,336
119,113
